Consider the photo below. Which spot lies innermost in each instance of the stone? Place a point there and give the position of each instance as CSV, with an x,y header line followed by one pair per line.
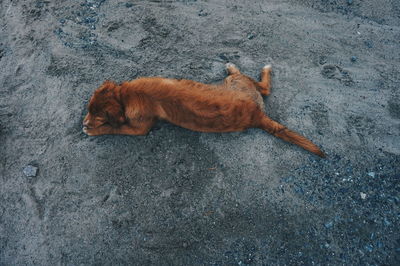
x,y
30,171
371,174
328,225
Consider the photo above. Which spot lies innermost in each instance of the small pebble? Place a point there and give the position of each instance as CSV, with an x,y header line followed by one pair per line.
x,y
30,171
202,13
39,4
89,20
328,225
353,58
349,2
369,248
371,174
369,44
287,179
386,222
251,36
298,190
363,195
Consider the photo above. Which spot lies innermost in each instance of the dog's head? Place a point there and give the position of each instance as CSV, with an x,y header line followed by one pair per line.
x,y
104,107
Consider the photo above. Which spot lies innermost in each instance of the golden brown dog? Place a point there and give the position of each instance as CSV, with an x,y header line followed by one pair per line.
x,y
133,107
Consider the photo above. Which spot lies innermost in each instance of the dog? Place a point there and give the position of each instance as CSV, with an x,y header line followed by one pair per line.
x,y
133,107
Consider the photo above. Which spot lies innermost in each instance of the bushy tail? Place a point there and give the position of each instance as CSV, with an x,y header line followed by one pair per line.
x,y
282,132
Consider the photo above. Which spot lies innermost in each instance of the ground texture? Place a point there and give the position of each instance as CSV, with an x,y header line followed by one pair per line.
x,y
177,197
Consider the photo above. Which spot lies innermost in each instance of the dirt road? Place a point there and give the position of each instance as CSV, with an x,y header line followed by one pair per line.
x,y
177,197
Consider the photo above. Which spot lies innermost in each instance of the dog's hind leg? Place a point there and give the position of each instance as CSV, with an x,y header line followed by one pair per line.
x,y
265,82
232,69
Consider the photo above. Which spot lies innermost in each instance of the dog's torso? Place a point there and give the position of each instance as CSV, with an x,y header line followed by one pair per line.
x,y
193,105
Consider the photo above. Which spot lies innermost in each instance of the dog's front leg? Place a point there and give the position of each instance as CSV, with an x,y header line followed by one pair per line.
x,y
138,130
102,130
133,128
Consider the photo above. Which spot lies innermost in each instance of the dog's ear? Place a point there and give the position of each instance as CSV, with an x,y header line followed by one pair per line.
x,y
107,87
109,84
115,115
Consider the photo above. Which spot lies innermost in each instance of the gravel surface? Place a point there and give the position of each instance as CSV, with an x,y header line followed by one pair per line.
x,y
177,197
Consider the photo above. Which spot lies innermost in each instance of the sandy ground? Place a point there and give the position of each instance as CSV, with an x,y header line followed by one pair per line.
x,y
177,197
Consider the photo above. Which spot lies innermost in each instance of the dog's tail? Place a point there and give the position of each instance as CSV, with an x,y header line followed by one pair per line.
x,y
284,133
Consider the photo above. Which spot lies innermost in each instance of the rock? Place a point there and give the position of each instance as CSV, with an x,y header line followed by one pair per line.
x,y
299,190
328,225
353,58
202,13
89,20
371,174
363,195
30,171
369,44
251,36
369,248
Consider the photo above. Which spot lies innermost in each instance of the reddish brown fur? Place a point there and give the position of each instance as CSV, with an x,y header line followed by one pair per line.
x,y
132,108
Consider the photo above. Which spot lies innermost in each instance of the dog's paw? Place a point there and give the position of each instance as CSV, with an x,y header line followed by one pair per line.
x,y
87,131
102,130
231,69
229,65
267,67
